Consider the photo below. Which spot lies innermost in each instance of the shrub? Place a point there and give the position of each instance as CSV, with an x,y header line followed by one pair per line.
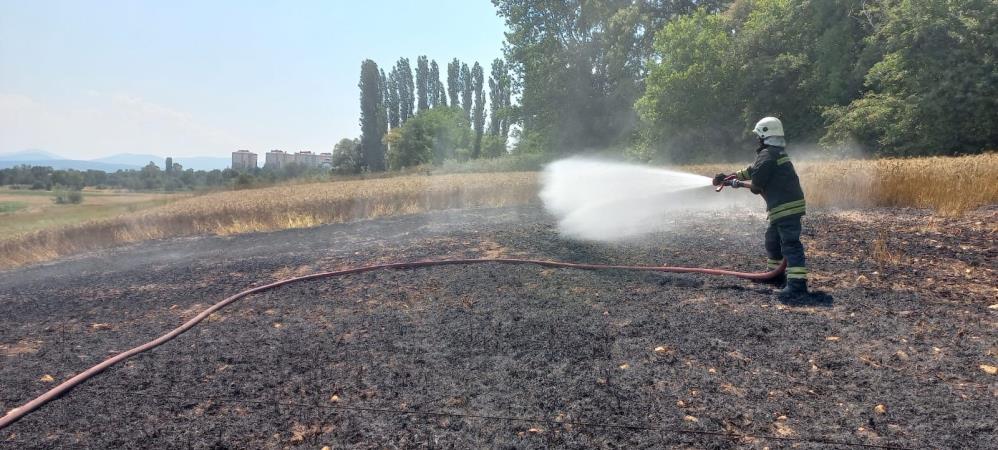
x,y
244,181
432,135
493,146
68,197
521,162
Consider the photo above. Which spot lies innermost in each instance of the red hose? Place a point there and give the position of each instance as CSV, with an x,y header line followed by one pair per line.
x,y
15,414
727,178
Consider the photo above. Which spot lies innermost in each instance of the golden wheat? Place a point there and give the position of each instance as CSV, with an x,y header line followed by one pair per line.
x,y
275,208
948,185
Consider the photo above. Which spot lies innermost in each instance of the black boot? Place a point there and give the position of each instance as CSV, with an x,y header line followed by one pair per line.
x,y
778,281
796,288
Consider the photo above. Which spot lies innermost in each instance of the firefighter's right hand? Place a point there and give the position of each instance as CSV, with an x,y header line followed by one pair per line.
x,y
719,179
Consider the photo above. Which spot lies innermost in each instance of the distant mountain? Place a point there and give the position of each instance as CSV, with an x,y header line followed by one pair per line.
x,y
121,161
188,162
132,159
68,164
31,154
36,157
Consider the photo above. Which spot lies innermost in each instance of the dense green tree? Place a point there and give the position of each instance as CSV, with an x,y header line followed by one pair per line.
x,y
935,90
690,104
71,179
799,57
392,100
713,76
372,117
580,65
454,87
896,77
407,95
684,80
347,156
150,176
423,83
431,136
168,167
467,89
478,116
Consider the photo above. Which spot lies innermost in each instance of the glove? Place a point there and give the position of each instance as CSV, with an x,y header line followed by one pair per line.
x,y
719,179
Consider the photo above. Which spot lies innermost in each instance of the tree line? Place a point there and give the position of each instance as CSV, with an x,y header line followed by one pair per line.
x,y
149,177
171,177
684,80
411,117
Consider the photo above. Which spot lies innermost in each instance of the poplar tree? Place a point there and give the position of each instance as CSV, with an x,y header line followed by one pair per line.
x,y
392,101
422,82
454,87
383,83
499,99
478,82
441,93
372,116
406,95
433,85
466,90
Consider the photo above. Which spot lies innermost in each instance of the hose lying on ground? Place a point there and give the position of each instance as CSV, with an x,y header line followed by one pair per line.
x,y
15,414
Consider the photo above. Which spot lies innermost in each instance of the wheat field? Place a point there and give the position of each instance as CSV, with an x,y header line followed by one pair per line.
x,y
948,186
276,208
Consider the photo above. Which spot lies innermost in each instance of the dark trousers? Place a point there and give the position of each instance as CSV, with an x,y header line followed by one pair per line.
x,y
783,240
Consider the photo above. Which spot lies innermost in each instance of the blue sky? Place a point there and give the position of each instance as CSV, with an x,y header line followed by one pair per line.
x,y
90,79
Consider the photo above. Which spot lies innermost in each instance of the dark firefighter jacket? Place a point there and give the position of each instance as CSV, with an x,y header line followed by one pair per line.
x,y
773,176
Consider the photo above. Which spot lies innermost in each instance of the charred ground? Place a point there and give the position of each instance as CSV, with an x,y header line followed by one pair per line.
x,y
407,358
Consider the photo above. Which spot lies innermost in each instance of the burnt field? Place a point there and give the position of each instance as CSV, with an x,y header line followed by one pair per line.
x,y
516,356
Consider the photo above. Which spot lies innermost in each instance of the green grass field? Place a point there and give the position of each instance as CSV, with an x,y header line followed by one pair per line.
x,y
24,211
9,207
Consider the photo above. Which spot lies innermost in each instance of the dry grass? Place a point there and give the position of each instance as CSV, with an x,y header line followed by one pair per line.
x,y
882,253
275,208
950,186
947,185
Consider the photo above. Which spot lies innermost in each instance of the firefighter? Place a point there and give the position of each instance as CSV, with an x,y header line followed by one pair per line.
x,y
772,175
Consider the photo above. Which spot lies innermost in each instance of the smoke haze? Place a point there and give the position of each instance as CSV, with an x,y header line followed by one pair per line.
x,y
612,201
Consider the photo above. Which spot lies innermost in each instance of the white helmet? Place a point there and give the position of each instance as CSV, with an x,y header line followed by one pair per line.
x,y
768,126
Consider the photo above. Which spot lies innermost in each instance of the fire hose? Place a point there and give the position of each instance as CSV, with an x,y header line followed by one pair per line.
x,y
17,413
726,182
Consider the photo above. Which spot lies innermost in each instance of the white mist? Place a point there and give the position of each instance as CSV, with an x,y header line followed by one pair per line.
x,y
612,201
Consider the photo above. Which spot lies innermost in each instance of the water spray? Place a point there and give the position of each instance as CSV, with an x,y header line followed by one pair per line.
x,y
608,201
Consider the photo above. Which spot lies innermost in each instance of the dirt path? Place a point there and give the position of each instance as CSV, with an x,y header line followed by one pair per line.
x,y
446,357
